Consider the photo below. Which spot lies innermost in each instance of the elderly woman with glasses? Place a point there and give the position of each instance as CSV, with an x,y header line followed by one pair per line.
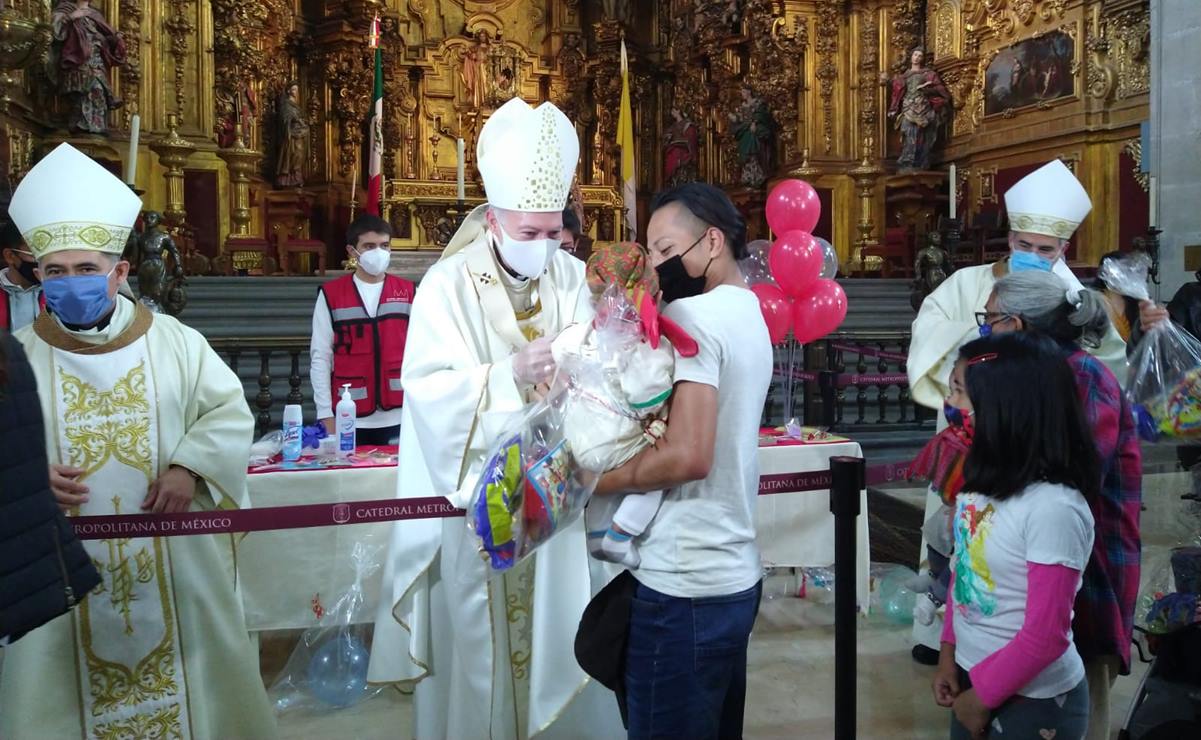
x,y
1104,611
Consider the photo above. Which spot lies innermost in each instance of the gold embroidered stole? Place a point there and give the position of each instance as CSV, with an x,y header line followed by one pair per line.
x,y
130,661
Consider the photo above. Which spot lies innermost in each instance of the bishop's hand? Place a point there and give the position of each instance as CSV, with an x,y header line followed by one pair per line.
x,y
534,363
171,493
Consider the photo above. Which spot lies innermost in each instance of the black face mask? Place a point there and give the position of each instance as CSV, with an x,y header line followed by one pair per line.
x,y
26,269
674,280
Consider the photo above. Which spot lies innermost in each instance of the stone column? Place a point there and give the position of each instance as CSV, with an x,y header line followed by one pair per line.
x,y
1176,137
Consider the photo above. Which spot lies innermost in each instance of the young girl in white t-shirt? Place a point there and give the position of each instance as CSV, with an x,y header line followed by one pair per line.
x,y
1023,533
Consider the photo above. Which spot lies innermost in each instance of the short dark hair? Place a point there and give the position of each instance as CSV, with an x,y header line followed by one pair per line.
x,y
1029,422
364,224
571,222
10,236
710,205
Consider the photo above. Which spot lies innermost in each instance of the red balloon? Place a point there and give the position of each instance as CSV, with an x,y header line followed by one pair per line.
x,y
793,205
819,311
796,261
776,308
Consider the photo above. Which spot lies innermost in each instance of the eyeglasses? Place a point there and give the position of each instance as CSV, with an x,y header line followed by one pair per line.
x,y
986,318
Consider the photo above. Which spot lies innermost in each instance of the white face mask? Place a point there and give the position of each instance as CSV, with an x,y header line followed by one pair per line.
x,y
529,258
374,261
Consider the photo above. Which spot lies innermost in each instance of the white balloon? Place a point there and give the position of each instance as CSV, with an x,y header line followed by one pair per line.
x,y
829,259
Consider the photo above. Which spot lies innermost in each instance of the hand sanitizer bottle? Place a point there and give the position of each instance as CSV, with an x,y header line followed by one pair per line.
x,y
292,433
345,424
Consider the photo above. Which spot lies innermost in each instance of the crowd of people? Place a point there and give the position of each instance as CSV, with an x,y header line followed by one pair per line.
x,y
109,409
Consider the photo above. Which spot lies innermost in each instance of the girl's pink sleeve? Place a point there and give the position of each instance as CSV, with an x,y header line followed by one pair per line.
x,y
1043,638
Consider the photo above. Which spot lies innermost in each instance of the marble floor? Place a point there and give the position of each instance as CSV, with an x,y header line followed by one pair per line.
x,y
791,663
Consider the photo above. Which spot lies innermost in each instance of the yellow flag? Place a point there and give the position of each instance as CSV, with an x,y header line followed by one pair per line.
x,y
625,139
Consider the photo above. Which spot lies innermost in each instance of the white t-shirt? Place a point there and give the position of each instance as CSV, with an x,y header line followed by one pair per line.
x,y
1047,524
702,541
321,358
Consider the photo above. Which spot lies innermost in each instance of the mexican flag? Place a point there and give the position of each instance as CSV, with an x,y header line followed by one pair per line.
x,y
375,180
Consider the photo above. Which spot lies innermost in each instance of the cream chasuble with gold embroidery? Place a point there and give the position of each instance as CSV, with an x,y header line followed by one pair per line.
x,y
160,648
492,655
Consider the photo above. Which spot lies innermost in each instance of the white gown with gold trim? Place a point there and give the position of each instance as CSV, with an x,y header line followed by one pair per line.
x,y
160,649
492,656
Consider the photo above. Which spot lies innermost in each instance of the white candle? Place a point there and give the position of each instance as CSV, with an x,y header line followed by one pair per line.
x,y
461,191
1151,187
952,191
131,162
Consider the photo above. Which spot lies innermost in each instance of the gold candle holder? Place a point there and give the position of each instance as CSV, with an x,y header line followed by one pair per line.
x,y
865,176
242,162
173,152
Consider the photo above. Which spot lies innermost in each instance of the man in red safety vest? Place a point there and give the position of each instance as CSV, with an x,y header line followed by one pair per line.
x,y
20,289
359,328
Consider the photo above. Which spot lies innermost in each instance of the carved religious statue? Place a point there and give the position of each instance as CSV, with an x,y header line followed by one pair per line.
x,y
680,150
233,111
755,132
919,103
473,72
83,51
932,267
293,139
154,285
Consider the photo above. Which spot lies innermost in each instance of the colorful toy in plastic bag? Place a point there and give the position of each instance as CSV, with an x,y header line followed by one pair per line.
x,y
492,512
532,487
1164,386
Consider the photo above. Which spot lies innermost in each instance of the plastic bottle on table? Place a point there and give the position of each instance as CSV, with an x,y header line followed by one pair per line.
x,y
346,423
292,432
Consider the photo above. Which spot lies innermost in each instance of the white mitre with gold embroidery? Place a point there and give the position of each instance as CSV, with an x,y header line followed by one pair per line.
x,y
527,159
1049,201
69,201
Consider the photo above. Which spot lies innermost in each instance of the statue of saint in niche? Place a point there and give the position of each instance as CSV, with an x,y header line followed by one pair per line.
x,y
293,139
83,50
919,102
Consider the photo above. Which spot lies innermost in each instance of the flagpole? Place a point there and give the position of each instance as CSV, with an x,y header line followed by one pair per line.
x,y
354,183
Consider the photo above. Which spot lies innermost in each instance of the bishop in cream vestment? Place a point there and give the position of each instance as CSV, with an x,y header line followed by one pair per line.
x,y
491,655
160,648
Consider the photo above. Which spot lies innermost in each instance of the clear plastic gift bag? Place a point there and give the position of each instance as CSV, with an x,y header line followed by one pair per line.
x,y
1127,275
1164,386
542,470
328,667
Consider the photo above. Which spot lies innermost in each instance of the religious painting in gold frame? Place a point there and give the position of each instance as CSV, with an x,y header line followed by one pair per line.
x,y
1035,72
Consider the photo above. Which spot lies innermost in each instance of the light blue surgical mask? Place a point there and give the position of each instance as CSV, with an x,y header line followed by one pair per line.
x,y
79,300
1022,261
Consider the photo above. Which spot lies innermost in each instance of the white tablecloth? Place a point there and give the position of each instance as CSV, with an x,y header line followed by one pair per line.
x,y
284,574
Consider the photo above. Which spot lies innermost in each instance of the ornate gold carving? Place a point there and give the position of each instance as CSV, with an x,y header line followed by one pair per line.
x,y
776,68
986,192
131,72
1005,16
173,151
825,43
1134,148
944,16
1118,61
906,21
179,27
869,94
242,162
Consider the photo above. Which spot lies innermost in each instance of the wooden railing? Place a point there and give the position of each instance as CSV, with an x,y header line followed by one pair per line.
x,y
238,352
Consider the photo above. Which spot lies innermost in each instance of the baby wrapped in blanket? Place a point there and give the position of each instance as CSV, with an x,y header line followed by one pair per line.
x,y
624,411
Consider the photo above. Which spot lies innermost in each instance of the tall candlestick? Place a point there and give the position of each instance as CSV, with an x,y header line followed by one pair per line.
x,y
1153,218
461,190
953,183
131,162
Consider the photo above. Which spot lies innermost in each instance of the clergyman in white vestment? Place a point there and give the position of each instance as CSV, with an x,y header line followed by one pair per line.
x,y
141,415
1044,208
492,656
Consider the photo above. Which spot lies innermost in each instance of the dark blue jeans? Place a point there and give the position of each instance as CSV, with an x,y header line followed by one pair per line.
x,y
685,673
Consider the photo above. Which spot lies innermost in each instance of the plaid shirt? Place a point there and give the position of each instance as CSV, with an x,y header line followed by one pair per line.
x,y
1104,612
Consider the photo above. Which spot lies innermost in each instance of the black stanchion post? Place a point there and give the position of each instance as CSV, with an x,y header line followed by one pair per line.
x,y
827,386
847,479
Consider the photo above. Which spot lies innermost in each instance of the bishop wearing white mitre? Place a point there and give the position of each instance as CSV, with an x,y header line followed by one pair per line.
x,y
491,656
1044,209
145,416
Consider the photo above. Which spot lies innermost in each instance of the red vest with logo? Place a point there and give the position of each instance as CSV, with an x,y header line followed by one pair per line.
x,y
6,311
368,351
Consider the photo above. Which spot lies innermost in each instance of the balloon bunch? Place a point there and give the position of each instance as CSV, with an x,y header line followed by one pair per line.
x,y
793,277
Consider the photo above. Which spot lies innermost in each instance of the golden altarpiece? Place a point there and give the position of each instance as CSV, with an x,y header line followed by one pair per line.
x,y
254,114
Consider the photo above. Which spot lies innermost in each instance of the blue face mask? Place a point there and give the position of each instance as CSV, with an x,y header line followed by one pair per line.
x,y
79,300
1021,261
